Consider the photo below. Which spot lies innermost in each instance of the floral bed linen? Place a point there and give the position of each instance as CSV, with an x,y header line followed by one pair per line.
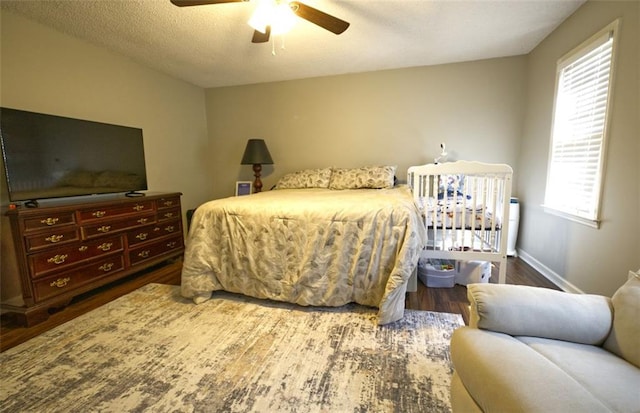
x,y
313,247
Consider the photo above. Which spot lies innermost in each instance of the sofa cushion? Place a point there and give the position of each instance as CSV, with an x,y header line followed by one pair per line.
x,y
624,339
603,374
504,375
520,310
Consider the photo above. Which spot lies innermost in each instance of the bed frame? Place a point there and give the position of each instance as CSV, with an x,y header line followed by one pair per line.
x,y
457,229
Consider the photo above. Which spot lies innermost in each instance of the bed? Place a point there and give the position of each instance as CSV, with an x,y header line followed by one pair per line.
x,y
331,237
465,208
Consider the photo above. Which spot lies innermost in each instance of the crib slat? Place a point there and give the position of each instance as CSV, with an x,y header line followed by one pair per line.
x,y
463,223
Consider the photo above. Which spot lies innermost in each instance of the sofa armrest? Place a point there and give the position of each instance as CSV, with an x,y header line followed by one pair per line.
x,y
520,310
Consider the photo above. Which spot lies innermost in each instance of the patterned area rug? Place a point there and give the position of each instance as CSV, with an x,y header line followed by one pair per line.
x,y
153,350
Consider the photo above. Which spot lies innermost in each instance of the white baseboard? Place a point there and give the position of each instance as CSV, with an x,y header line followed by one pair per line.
x,y
548,273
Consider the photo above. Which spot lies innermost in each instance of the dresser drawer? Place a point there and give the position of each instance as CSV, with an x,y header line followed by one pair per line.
x,y
96,230
43,263
51,286
150,233
170,202
153,250
167,214
92,214
58,237
53,220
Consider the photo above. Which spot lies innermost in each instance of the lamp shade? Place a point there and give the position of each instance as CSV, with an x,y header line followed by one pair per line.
x,y
256,152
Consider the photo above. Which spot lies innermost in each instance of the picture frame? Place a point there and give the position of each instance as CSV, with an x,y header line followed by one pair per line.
x,y
243,188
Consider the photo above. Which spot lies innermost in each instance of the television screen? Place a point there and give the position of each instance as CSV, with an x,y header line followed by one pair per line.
x,y
48,156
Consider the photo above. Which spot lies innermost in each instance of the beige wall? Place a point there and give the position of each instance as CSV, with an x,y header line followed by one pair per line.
x,y
396,117
577,256
45,71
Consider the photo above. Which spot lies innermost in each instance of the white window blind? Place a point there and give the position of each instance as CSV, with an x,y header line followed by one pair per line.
x,y
576,159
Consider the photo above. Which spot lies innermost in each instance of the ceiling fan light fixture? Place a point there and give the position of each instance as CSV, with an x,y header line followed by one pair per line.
x,y
278,17
276,14
261,17
283,18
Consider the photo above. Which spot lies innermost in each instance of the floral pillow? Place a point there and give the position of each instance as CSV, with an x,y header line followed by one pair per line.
x,y
308,178
376,177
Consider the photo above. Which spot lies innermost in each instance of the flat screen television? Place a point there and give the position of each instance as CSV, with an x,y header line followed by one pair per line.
x,y
47,156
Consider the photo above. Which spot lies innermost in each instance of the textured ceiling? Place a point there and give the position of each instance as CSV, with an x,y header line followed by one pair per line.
x,y
211,45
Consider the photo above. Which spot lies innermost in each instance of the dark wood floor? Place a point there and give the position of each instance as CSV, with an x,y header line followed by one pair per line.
x,y
454,300
450,300
12,334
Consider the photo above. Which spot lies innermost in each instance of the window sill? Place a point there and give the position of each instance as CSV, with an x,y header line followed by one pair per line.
x,y
581,220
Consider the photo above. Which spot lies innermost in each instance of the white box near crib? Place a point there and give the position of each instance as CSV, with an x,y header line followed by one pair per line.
x,y
470,272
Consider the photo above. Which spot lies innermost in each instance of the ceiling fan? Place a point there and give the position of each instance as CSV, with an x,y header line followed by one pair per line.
x,y
277,16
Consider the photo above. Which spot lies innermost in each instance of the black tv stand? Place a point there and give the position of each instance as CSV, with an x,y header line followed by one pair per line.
x,y
32,203
133,194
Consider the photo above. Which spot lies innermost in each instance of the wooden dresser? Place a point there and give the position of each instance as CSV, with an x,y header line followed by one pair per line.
x,y
68,249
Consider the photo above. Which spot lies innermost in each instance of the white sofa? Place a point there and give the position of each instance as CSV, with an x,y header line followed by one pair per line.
x,y
530,349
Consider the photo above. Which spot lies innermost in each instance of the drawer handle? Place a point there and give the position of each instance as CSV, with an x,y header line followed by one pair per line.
x,y
83,248
104,228
143,220
50,221
144,254
54,238
99,214
168,215
171,244
60,282
138,207
142,236
170,228
58,259
168,203
105,246
106,267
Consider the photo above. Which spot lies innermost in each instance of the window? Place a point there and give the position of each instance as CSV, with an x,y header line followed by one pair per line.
x,y
576,156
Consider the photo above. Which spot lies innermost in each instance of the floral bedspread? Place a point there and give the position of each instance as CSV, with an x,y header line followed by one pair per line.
x,y
313,247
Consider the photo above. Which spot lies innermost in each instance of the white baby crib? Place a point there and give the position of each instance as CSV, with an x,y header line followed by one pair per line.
x,y
465,206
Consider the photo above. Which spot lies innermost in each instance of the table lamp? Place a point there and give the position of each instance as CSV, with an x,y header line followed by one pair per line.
x,y
256,154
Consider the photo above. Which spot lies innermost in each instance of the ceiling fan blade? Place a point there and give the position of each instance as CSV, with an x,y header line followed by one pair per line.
x,y
322,19
183,3
259,37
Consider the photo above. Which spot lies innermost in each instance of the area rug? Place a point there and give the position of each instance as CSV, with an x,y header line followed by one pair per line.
x,y
154,351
